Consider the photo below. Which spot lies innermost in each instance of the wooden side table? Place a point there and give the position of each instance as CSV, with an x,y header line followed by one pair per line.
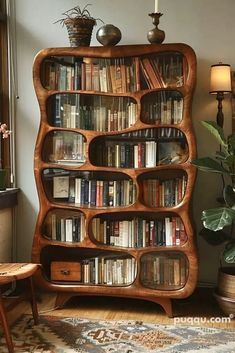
x,y
10,272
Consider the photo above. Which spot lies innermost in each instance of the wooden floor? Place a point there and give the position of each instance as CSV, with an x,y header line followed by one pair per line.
x,y
199,310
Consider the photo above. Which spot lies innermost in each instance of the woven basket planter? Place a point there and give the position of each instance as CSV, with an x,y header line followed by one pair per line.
x,y
226,282
80,31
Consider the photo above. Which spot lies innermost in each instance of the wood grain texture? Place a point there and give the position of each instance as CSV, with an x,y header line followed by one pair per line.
x,y
42,244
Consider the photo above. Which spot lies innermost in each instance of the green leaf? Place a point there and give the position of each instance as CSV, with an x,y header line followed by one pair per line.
x,y
214,238
208,164
218,218
216,131
221,156
230,161
229,195
229,253
231,142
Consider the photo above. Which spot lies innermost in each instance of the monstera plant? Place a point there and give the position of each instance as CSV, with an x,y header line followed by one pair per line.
x,y
219,221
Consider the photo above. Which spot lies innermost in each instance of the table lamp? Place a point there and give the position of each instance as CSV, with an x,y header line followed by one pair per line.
x,y
220,85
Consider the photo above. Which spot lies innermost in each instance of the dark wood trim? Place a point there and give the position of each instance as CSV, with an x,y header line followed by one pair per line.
x,y
4,87
8,198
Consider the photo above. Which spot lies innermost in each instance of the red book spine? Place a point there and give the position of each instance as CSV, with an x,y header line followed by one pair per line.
x,y
173,231
183,236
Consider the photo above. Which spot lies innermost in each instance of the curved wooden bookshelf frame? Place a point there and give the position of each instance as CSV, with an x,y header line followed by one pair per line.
x,y
183,209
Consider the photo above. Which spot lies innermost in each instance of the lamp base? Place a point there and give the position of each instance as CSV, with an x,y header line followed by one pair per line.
x,y
220,114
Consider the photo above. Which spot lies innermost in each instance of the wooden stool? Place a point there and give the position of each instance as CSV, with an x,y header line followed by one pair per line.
x,y
11,272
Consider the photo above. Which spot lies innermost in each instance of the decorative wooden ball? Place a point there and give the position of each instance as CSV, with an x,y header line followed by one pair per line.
x,y
108,35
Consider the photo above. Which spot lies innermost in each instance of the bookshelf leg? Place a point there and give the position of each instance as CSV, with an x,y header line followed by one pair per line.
x,y
166,304
62,298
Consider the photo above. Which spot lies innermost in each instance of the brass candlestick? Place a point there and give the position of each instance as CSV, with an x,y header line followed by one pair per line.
x,y
156,35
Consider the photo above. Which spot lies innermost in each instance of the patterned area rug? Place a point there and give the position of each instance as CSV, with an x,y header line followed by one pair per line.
x,y
70,335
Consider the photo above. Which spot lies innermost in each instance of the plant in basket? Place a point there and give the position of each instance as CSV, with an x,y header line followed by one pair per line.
x,y
219,221
79,24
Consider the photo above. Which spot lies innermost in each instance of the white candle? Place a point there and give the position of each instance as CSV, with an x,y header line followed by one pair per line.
x,y
156,6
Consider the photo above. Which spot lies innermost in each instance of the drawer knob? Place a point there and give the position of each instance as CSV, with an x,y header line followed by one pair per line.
x,y
65,272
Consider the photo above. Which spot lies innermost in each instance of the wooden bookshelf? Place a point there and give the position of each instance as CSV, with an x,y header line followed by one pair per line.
x,y
113,173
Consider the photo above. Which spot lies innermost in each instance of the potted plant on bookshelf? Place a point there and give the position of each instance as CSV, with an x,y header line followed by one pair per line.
x,y
219,221
4,133
79,24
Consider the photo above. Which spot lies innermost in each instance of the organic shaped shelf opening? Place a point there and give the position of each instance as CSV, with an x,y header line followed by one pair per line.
x,y
138,230
163,188
108,268
89,189
146,148
64,148
91,112
114,75
162,107
164,270
64,226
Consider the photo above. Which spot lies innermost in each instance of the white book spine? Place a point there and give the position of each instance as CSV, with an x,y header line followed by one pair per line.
x,y
69,229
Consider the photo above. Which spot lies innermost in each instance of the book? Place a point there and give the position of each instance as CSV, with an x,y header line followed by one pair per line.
x,y
61,187
69,229
151,74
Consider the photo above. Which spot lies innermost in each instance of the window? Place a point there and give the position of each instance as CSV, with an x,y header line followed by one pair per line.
x,y
4,95
6,148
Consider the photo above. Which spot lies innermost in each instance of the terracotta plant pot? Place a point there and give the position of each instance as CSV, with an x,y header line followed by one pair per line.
x,y
80,31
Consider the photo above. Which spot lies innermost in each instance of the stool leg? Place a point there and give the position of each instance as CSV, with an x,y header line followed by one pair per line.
x,y
5,325
33,301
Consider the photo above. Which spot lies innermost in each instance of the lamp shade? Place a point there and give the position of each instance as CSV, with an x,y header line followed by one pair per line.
x,y
220,78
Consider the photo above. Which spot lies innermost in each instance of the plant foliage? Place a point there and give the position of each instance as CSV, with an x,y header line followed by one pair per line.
x,y
75,13
216,219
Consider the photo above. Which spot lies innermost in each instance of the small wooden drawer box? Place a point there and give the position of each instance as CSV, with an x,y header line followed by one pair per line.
x,y
65,271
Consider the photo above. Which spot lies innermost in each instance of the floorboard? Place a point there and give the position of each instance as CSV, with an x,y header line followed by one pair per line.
x,y
200,309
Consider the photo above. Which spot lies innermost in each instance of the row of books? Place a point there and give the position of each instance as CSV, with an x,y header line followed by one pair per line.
x,y
86,190
138,232
157,271
147,154
168,111
164,193
67,147
164,271
161,132
92,192
70,229
97,117
113,271
103,193
69,112
116,75
131,155
70,148
162,71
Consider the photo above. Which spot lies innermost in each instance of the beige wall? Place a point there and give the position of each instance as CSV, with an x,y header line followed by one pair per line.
x,y
6,235
206,25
